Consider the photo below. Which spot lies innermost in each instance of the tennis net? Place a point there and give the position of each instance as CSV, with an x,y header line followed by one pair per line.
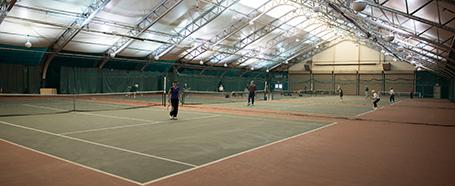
x,y
35,104
210,97
402,94
289,94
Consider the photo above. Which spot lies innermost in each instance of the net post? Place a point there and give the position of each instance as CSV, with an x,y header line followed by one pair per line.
x,y
74,102
164,91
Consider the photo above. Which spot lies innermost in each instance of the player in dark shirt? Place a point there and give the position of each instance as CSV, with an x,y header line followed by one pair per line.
x,y
174,93
251,93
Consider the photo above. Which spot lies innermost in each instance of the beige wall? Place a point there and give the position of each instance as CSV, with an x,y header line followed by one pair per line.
x,y
361,58
367,62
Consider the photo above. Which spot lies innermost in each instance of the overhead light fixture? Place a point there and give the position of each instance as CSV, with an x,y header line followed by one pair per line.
x,y
252,68
297,40
395,59
286,62
201,62
157,57
225,65
389,38
359,5
251,22
112,54
267,70
28,44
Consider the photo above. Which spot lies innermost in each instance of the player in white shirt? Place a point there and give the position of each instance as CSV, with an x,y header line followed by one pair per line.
x,y
376,99
392,95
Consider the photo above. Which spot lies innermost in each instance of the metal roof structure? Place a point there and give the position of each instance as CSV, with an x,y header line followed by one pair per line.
x,y
250,34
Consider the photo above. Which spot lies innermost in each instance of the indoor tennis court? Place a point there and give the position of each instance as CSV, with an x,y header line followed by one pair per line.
x,y
227,92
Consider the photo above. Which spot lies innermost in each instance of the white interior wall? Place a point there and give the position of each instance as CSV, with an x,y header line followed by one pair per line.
x,y
357,57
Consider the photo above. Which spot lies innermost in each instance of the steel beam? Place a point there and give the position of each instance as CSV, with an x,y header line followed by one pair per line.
x,y
5,7
258,34
148,21
437,25
85,17
204,18
238,25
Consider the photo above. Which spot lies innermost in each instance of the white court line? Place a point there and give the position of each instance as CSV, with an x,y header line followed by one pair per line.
x,y
43,107
395,102
71,162
303,105
115,117
238,154
370,111
92,114
107,128
99,144
382,107
134,125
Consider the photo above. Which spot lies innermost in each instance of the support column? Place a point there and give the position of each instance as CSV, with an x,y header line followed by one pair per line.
x,y
357,83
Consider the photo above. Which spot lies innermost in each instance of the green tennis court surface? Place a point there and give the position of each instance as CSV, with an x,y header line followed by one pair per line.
x,y
35,104
326,105
142,144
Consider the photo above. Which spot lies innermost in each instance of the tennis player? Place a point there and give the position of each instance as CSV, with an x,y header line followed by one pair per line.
x,y
340,91
251,93
376,99
392,95
174,93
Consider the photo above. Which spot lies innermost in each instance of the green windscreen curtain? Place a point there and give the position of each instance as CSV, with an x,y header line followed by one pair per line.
x,y
20,69
199,83
18,78
425,82
92,80
452,90
211,83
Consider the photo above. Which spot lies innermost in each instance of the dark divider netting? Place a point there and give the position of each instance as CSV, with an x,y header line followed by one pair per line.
x,y
36,104
347,82
211,83
211,97
92,80
18,78
400,82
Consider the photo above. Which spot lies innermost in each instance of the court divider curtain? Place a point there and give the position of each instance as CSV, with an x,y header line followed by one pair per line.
x,y
399,82
452,90
211,83
93,80
348,82
20,78
373,81
323,82
299,82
